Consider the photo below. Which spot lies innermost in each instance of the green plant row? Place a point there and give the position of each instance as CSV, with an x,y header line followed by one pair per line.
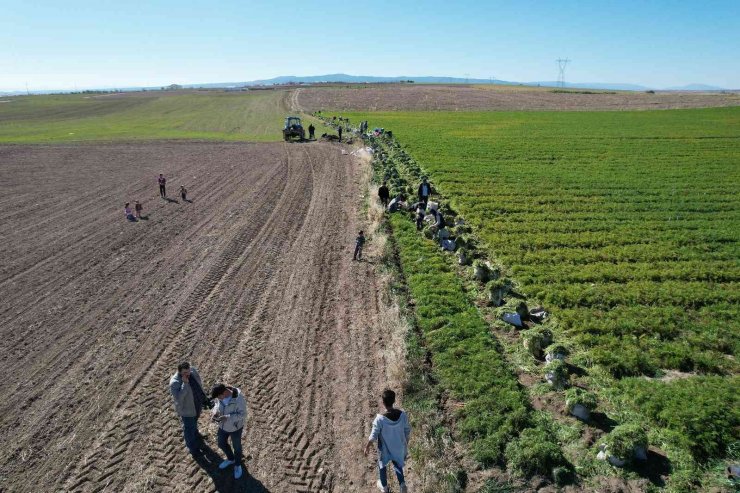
x,y
464,355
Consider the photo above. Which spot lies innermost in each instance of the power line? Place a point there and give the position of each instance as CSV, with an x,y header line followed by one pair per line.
x,y
562,63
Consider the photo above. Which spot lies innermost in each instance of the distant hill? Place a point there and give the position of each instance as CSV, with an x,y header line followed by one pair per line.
x,y
611,86
356,79
359,79
695,87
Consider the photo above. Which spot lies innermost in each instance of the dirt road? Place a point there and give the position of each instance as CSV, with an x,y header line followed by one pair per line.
x,y
253,282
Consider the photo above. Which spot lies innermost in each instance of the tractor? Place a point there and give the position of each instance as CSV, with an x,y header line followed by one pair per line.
x,y
293,128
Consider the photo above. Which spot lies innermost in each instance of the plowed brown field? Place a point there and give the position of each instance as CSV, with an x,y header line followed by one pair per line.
x,y
421,97
253,282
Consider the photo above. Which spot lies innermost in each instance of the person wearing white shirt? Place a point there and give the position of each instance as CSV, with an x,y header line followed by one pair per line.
x,y
230,414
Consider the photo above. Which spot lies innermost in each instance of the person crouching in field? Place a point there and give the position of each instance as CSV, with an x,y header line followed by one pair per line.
x,y
186,388
230,414
391,431
128,213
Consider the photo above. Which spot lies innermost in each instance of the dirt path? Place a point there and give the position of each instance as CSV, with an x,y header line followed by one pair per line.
x,y
253,282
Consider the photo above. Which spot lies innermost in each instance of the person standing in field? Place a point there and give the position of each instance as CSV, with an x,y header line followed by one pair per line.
x,y
162,188
186,388
138,208
359,242
425,190
183,193
311,130
230,413
391,431
340,132
384,195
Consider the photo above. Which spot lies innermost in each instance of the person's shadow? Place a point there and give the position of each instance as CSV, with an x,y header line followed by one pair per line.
x,y
223,479
171,201
189,201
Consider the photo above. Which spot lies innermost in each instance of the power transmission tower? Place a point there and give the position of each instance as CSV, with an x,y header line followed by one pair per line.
x,y
562,63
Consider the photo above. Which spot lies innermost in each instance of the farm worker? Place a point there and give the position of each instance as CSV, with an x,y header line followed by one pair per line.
x,y
127,212
396,203
230,413
384,194
420,218
391,431
186,388
138,208
162,182
425,190
439,219
340,134
359,242
311,130
183,193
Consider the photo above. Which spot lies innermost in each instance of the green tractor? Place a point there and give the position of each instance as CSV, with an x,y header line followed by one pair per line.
x,y
293,128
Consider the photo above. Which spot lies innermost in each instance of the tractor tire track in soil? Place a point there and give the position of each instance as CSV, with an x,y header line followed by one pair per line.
x,y
253,282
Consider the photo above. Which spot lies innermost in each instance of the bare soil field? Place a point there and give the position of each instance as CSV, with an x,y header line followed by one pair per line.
x,y
410,97
253,282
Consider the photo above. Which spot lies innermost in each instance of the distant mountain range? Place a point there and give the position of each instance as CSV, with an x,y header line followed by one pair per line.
x,y
357,79
312,79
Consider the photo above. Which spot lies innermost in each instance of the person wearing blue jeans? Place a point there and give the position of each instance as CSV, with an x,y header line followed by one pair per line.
x,y
230,414
391,431
187,392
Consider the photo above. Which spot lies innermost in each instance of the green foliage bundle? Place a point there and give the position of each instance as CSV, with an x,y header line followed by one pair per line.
x,y
622,441
534,451
577,396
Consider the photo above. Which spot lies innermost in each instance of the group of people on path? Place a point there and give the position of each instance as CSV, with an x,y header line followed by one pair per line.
x,y
390,431
135,215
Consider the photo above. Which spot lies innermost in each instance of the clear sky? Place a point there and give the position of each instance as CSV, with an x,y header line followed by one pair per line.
x,y
68,44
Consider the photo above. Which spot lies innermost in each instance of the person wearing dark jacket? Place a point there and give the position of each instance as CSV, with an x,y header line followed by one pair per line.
x,y
425,190
420,215
230,414
340,132
359,242
186,388
311,130
162,186
384,195
439,219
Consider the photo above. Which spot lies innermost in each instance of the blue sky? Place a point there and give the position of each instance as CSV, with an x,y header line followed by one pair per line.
x,y
76,44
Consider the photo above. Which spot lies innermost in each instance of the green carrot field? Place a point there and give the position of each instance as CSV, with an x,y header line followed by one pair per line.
x,y
626,226
211,115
